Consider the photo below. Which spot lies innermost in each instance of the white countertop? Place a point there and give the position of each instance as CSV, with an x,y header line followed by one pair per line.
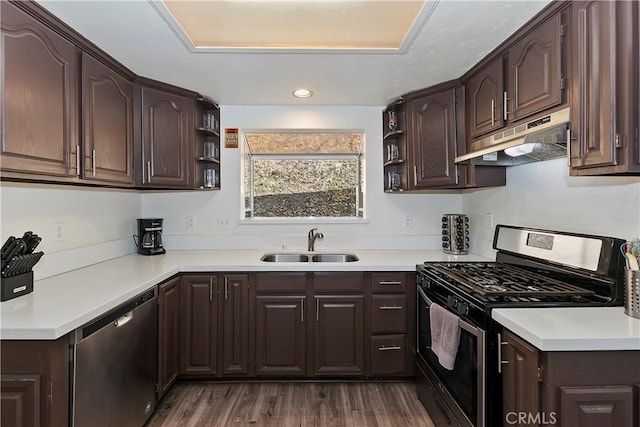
x,y
573,329
62,303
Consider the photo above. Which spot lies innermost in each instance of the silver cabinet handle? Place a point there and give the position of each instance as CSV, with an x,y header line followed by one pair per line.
x,y
148,170
415,175
493,112
500,361
392,347
569,146
385,282
226,288
392,307
317,309
302,310
93,162
78,160
121,321
582,75
505,100
211,289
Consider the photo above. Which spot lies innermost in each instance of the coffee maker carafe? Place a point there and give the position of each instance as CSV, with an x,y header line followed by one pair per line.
x,y
149,238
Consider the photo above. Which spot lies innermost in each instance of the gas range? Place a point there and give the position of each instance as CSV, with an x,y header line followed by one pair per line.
x,y
533,268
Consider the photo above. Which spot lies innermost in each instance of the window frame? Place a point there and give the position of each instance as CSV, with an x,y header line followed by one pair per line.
x,y
360,185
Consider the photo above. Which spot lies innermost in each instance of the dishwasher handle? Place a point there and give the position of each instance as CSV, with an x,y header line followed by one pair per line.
x,y
123,320
119,315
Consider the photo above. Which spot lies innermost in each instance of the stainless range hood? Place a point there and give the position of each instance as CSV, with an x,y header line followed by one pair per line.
x,y
543,138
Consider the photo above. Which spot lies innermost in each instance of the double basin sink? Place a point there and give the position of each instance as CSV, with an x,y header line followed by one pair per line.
x,y
309,257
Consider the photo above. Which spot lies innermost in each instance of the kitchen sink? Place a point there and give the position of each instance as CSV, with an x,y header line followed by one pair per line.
x,y
293,257
285,258
334,258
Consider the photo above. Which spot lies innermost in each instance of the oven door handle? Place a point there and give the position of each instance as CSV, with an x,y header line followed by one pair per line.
x,y
464,325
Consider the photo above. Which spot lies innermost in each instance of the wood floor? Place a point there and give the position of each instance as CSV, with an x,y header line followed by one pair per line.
x,y
291,404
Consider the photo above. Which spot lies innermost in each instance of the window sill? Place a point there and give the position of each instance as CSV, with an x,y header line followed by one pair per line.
x,y
306,220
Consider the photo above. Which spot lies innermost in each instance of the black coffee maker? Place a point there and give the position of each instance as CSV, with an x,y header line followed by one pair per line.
x,y
149,238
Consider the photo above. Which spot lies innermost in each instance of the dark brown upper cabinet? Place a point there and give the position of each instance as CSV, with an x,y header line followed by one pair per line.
x,y
534,71
605,108
522,77
199,325
432,122
107,111
166,136
395,146
485,94
39,104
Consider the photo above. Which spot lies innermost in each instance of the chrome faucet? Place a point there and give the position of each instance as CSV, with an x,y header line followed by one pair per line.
x,y
312,239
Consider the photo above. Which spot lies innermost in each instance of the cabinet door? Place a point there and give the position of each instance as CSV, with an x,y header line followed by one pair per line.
x,y
168,334
339,335
484,99
433,140
107,110
167,130
595,61
235,309
597,406
519,363
281,337
39,105
199,325
534,71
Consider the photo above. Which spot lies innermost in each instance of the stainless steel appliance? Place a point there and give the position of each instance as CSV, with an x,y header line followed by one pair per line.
x,y
533,268
115,366
149,238
455,234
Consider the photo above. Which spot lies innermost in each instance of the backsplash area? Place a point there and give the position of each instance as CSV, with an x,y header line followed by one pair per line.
x,y
543,195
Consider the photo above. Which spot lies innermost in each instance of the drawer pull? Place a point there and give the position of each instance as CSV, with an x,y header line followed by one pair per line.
x,y
389,282
392,347
392,307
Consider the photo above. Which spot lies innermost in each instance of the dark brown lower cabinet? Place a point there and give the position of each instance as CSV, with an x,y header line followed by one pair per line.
x,y
520,361
199,325
34,385
597,406
235,314
339,335
281,338
569,388
168,334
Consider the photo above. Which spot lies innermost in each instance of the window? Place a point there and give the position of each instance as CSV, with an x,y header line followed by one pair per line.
x,y
303,174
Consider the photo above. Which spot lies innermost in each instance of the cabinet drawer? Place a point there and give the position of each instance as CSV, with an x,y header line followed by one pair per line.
x,y
389,282
275,282
388,314
388,355
338,282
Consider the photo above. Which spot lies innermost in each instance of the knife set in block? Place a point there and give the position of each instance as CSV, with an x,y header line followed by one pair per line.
x,y
18,259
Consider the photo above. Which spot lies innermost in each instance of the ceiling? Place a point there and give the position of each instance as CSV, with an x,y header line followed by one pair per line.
x,y
456,36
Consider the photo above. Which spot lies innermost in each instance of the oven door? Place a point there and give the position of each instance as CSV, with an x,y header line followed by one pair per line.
x,y
465,384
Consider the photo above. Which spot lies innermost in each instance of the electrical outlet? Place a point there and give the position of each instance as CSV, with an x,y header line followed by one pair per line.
x,y
489,219
408,222
58,232
191,222
224,222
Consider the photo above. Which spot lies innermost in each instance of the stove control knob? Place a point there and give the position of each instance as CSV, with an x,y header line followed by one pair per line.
x,y
462,308
452,301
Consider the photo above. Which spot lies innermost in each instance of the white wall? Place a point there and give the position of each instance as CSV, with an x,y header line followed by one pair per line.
x,y
543,195
385,212
98,223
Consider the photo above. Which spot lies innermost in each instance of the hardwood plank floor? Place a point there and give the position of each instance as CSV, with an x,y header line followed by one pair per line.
x,y
291,404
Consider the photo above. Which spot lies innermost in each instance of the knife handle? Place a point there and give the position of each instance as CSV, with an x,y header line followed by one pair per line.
x,y
6,246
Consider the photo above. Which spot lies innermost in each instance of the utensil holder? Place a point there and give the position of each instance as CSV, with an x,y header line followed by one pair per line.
x,y
632,293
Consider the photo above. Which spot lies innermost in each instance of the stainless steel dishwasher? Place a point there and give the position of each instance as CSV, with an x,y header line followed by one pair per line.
x,y
115,365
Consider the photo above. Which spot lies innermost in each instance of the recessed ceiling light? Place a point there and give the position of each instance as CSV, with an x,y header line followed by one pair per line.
x,y
302,93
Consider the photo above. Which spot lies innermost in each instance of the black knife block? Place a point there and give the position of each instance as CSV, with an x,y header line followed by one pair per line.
x,y
15,286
